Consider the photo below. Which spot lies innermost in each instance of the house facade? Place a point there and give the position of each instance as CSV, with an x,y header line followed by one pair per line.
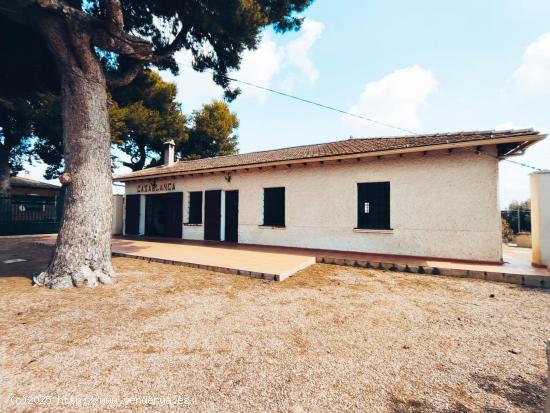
x,y
429,196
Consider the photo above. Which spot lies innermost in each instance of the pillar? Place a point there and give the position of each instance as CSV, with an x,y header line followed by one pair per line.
x,y
142,200
540,218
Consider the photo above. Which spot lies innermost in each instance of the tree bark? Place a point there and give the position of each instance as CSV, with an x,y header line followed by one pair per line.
x,y
4,171
83,251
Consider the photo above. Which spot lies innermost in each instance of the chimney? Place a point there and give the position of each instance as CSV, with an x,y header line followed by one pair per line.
x,y
169,152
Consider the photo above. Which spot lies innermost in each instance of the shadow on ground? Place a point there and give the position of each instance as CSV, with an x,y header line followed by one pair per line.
x,y
36,258
525,395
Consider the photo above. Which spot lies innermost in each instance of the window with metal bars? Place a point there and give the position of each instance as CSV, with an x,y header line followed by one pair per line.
x,y
373,205
274,207
195,207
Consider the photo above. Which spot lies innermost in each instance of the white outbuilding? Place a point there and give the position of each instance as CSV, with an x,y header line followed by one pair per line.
x,y
430,196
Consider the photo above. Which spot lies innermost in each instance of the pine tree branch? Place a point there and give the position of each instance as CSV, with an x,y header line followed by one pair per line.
x,y
173,47
122,78
115,19
108,34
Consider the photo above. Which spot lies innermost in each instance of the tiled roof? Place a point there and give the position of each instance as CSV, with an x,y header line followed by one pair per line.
x,y
340,148
20,182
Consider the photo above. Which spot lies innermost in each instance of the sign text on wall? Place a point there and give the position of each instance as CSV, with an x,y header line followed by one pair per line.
x,y
154,187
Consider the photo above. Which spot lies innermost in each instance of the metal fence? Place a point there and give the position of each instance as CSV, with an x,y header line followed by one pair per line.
x,y
24,214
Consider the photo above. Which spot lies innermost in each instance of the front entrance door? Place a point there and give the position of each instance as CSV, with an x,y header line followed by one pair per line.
x,y
132,215
212,215
231,216
163,215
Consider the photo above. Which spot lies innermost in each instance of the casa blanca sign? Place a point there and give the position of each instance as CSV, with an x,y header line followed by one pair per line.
x,y
154,187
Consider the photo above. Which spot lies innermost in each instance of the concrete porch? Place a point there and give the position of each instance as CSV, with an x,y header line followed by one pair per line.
x,y
267,263
279,263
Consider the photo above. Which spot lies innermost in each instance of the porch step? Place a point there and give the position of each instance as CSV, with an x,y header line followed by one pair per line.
x,y
527,280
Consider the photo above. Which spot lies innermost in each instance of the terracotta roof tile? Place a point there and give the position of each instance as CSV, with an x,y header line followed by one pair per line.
x,y
338,148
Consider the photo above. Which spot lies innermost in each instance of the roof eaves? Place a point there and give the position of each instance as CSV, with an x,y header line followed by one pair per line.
x,y
154,172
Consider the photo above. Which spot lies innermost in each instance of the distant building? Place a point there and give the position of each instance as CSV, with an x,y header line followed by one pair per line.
x,y
429,196
25,186
32,207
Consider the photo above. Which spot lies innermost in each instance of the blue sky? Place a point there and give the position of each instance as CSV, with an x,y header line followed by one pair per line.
x,y
429,66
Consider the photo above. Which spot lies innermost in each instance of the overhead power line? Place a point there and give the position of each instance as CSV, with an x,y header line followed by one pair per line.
x,y
355,115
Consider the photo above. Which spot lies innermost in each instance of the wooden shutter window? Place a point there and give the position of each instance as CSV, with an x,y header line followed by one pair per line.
x,y
373,205
195,207
274,207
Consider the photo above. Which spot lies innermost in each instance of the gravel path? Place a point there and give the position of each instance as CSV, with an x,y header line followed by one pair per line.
x,y
328,339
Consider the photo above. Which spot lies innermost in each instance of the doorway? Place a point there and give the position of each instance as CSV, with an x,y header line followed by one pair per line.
x,y
212,215
163,215
132,214
232,216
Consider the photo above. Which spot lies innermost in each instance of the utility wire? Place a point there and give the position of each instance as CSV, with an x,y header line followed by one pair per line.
x,y
355,115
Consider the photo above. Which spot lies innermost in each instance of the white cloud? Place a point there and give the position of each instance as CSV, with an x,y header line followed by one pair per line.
x,y
398,99
297,54
260,66
194,88
533,76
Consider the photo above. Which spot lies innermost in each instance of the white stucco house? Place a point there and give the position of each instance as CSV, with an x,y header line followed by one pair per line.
x,y
425,196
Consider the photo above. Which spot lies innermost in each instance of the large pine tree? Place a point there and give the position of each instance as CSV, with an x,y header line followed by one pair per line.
x,y
132,34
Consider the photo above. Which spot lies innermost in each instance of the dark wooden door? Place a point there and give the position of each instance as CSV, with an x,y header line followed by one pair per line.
x,y
174,202
153,219
163,215
232,216
212,215
132,214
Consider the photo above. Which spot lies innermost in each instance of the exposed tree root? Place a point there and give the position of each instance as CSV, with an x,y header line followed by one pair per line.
x,y
85,276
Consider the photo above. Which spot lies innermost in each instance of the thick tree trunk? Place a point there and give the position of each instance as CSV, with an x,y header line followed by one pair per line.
x,y
4,171
83,250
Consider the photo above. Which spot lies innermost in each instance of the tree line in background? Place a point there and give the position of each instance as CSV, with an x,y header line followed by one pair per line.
x,y
516,218
143,115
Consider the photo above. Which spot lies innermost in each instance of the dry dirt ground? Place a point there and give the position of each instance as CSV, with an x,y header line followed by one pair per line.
x,y
328,339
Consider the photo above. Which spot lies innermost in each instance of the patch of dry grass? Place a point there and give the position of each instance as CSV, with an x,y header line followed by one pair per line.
x,y
328,339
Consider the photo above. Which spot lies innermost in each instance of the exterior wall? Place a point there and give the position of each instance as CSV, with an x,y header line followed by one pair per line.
x,y
540,218
118,213
442,205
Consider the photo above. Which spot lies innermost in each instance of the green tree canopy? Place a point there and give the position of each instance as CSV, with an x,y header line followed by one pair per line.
x,y
22,88
144,115
48,131
211,134
15,137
